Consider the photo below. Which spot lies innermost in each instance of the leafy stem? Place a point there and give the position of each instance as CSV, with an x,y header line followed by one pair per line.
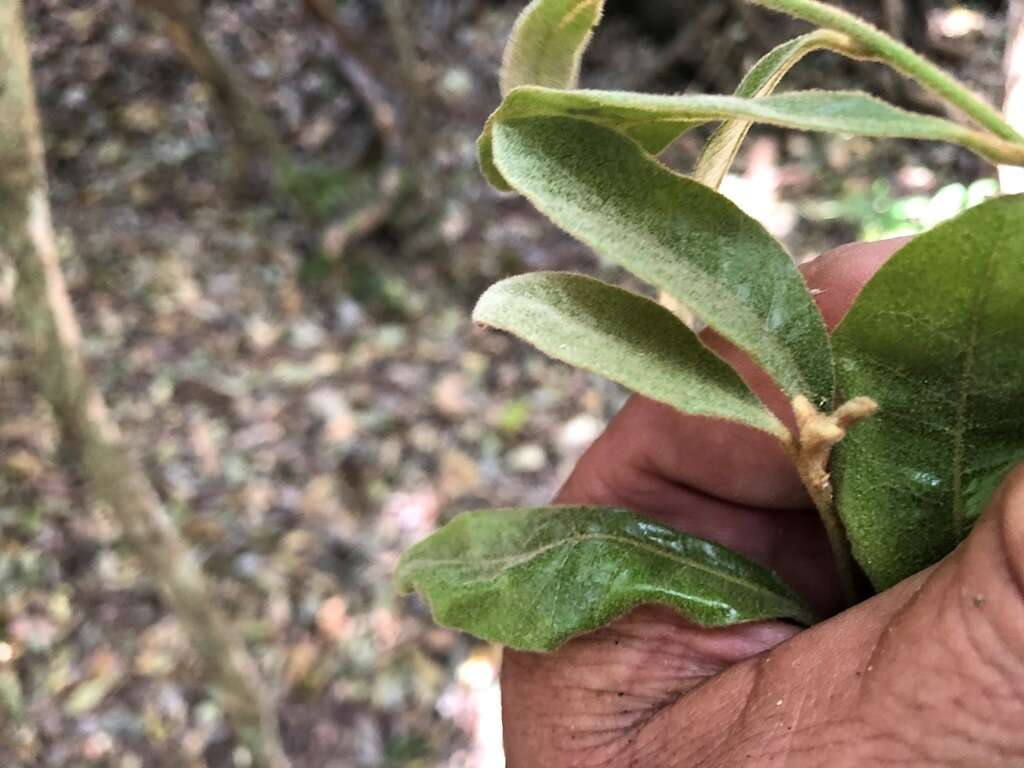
x,y
811,448
899,57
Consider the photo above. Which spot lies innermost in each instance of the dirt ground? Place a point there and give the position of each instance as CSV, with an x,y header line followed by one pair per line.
x,y
305,419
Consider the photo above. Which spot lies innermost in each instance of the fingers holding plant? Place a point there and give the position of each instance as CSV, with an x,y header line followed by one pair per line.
x,y
931,672
931,341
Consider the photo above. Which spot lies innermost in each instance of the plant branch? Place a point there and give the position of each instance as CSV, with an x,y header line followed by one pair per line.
x,y
682,45
255,138
51,333
811,448
357,72
405,46
901,58
360,76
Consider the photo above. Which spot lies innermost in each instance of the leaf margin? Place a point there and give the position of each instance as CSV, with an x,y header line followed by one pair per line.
x,y
508,304
813,373
546,638
889,544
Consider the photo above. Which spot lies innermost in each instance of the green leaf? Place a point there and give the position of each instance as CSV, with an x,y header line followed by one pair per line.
x,y
545,48
844,112
885,49
676,234
653,136
547,43
723,146
935,338
533,578
982,488
485,156
626,338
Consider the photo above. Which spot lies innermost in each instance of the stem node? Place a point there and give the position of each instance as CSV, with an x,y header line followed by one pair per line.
x,y
817,434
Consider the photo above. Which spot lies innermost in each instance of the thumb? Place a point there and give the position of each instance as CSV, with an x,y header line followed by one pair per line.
x,y
957,651
929,673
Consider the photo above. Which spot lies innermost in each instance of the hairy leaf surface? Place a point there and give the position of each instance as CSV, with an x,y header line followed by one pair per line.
x,y
533,578
547,43
936,339
545,48
653,136
825,111
624,337
762,79
676,234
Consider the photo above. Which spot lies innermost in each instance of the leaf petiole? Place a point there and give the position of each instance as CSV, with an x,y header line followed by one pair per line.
x,y
810,449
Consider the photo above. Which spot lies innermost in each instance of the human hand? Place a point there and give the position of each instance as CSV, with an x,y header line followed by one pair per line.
x,y
929,673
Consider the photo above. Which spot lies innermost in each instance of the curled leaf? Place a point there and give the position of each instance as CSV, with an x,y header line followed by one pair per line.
x,y
545,48
547,43
721,149
533,578
844,112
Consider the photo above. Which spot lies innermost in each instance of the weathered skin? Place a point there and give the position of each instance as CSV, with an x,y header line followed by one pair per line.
x,y
930,673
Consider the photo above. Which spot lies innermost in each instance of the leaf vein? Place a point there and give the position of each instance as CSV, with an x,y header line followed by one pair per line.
x,y
518,558
966,378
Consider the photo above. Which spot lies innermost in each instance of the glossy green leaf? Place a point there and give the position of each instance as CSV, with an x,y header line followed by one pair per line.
x,y
533,578
624,337
762,79
844,112
547,43
676,234
936,339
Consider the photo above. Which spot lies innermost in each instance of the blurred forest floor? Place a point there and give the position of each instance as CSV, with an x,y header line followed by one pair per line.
x,y
306,418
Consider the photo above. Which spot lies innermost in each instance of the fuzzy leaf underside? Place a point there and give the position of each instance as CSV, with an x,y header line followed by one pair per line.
x,y
545,48
533,578
843,112
721,149
676,234
626,338
547,43
935,338
654,120
654,137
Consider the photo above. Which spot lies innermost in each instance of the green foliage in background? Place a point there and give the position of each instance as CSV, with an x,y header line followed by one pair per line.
x,y
880,215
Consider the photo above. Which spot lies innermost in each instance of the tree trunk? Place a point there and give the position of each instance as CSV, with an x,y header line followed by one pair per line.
x,y
256,142
1012,179
47,321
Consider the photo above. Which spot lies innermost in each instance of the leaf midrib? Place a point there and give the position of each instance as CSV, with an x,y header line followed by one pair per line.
x,y
576,539
773,354
966,377
575,11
